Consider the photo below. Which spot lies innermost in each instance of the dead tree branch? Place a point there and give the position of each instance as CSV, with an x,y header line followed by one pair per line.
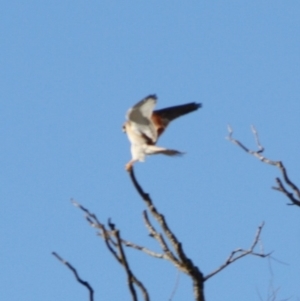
x,y
239,253
114,243
84,283
143,249
294,194
181,261
159,237
178,256
131,279
171,247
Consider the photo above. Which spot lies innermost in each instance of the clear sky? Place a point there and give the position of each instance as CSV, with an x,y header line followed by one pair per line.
x,y
69,72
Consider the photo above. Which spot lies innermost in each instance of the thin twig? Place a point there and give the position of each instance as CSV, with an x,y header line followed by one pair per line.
x,y
168,253
294,196
114,243
239,253
175,286
84,283
123,261
143,249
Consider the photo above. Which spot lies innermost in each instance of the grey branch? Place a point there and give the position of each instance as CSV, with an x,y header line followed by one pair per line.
x,y
293,196
141,248
114,243
84,283
159,237
172,249
130,276
239,253
181,261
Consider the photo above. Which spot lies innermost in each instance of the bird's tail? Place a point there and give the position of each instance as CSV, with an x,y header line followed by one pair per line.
x,y
154,150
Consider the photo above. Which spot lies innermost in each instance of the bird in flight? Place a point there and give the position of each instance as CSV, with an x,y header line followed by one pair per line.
x,y
144,126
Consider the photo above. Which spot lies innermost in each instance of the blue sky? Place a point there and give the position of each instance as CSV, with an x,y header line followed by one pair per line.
x,y
69,72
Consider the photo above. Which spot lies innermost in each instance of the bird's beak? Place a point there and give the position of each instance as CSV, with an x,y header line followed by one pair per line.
x,y
124,128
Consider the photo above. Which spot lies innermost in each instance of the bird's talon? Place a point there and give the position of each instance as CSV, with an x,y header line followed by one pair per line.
x,y
128,166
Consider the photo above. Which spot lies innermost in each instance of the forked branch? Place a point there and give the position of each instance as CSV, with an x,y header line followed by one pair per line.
x,y
239,253
180,260
171,247
294,193
178,256
114,243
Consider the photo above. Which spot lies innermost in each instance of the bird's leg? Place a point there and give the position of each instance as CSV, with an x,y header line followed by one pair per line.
x,y
129,165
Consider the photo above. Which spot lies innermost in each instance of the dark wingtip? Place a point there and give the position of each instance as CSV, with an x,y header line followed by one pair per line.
x,y
196,105
151,96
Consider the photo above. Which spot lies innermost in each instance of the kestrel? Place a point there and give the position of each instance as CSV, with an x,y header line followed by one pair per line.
x,y
144,126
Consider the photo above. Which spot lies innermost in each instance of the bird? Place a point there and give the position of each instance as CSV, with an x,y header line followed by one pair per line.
x,y
144,126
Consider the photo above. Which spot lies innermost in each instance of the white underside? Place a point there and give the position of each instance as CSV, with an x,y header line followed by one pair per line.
x,y
139,151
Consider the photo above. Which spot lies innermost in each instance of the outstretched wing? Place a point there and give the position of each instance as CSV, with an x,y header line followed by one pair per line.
x,y
161,118
140,117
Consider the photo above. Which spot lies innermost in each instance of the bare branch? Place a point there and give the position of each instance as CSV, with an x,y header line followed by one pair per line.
x,y
143,249
294,196
183,263
114,243
239,253
130,276
84,283
159,237
175,286
290,195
